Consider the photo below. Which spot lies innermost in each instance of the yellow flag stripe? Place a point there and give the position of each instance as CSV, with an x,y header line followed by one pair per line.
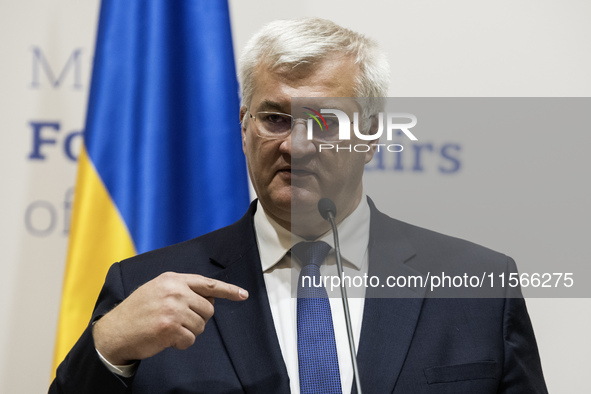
x,y
98,238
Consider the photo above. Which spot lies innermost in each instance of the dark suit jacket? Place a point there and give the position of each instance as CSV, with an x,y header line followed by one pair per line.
x,y
407,345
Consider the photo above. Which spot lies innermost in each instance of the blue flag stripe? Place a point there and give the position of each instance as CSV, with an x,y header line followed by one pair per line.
x,y
162,127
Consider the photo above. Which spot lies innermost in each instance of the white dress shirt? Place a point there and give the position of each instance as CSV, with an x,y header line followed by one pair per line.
x,y
274,243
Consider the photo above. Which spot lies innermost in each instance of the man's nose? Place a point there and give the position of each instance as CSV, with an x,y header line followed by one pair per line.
x,y
297,143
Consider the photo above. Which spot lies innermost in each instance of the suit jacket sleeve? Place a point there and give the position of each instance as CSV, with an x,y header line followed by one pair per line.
x,y
82,371
522,369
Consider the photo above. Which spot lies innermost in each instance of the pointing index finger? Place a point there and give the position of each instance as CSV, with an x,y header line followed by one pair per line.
x,y
208,287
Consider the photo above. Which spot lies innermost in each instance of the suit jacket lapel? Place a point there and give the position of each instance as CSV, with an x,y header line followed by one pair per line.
x,y
389,321
248,331
247,327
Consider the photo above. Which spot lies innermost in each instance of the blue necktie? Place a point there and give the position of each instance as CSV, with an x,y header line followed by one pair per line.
x,y
317,350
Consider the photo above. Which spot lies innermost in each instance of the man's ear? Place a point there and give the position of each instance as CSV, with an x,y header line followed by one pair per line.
x,y
242,115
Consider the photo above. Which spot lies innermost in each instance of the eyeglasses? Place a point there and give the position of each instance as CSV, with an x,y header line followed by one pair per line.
x,y
278,125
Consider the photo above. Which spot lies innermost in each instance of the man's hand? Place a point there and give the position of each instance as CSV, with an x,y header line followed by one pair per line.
x,y
168,311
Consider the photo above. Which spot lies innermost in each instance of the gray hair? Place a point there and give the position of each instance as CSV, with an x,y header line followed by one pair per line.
x,y
293,43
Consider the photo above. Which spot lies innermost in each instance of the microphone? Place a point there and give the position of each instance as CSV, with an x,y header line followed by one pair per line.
x,y
328,211
327,207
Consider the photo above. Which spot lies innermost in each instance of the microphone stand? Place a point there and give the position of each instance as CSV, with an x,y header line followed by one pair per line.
x,y
330,218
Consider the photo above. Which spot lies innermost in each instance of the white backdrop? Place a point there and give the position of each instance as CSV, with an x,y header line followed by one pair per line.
x,y
437,48
46,50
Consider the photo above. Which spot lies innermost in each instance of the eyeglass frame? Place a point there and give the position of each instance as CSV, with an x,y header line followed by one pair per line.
x,y
294,121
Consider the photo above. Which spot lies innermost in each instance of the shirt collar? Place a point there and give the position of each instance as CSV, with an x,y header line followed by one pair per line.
x,y
275,241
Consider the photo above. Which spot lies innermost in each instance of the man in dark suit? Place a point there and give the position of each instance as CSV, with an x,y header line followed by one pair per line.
x,y
157,329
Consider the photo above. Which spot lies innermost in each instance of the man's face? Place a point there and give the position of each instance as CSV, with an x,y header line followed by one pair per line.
x,y
290,174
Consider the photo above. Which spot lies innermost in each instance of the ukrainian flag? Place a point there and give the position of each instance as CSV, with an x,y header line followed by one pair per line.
x,y
162,158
